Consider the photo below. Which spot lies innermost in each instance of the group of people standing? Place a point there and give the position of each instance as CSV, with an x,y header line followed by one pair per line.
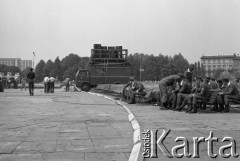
x,y
48,84
179,90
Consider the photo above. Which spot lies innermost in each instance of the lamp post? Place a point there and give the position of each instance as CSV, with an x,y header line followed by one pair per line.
x,y
140,68
33,59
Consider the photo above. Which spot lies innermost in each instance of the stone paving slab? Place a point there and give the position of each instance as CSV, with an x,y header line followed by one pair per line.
x,y
62,126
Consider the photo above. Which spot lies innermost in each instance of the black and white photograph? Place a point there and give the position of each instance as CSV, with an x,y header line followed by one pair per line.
x,y
119,80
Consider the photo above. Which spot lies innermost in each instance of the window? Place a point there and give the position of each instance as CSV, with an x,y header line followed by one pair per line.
x,y
219,66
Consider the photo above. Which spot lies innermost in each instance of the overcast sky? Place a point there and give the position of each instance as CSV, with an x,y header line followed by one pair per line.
x,y
54,28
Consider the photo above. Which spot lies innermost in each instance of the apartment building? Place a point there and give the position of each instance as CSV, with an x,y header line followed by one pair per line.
x,y
225,62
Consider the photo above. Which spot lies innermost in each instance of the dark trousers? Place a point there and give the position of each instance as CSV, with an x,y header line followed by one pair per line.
x,y
67,87
230,97
173,99
31,88
180,98
48,87
52,87
163,93
196,98
45,87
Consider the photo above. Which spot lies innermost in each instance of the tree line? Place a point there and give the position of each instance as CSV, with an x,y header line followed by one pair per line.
x,y
60,69
153,67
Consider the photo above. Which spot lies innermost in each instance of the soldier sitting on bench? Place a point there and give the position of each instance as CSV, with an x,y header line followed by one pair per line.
x,y
202,95
184,91
195,89
231,92
132,89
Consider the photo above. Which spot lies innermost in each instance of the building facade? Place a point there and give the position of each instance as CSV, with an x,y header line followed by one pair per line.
x,y
22,64
224,62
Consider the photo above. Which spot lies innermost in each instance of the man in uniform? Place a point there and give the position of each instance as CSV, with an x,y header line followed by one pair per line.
x,y
135,88
31,77
202,95
184,91
127,86
195,89
164,84
231,93
188,72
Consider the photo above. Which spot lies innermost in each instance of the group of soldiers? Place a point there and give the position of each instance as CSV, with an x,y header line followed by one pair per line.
x,y
178,90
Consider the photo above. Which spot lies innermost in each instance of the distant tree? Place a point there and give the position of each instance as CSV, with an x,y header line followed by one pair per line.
x,y
3,69
83,62
57,69
180,63
71,72
13,70
24,73
217,73
69,61
48,67
39,71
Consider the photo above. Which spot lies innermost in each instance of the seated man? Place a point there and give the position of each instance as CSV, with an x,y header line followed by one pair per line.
x,y
184,91
127,87
230,93
202,95
194,89
213,84
135,88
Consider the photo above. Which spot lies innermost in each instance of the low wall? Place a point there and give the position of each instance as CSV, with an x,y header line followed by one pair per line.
x,y
117,88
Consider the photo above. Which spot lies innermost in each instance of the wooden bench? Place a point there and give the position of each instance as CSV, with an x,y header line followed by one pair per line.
x,y
212,99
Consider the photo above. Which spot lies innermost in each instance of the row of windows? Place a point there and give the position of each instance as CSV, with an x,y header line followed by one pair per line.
x,y
9,63
217,67
215,61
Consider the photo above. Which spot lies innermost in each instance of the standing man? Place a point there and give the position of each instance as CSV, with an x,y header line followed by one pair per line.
x,y
23,84
188,73
52,80
67,81
31,77
163,88
45,81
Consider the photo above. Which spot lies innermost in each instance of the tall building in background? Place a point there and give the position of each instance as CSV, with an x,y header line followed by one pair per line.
x,y
224,62
22,64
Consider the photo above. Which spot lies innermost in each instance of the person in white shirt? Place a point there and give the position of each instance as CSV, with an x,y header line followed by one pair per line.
x,y
51,82
46,84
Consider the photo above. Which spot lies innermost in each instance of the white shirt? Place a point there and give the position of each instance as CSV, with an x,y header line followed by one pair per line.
x,y
52,79
46,79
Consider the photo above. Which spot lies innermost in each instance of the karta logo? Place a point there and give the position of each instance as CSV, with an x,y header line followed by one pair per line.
x,y
152,141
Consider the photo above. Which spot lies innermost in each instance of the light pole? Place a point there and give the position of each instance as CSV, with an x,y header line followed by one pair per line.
x,y
140,68
33,59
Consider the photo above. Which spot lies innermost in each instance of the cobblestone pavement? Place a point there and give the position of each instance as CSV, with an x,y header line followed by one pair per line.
x,y
189,126
69,126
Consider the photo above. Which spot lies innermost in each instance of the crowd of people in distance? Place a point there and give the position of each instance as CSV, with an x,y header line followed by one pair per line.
x,y
179,90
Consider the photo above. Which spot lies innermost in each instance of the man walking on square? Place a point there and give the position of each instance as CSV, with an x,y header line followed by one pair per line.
x,y
31,77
